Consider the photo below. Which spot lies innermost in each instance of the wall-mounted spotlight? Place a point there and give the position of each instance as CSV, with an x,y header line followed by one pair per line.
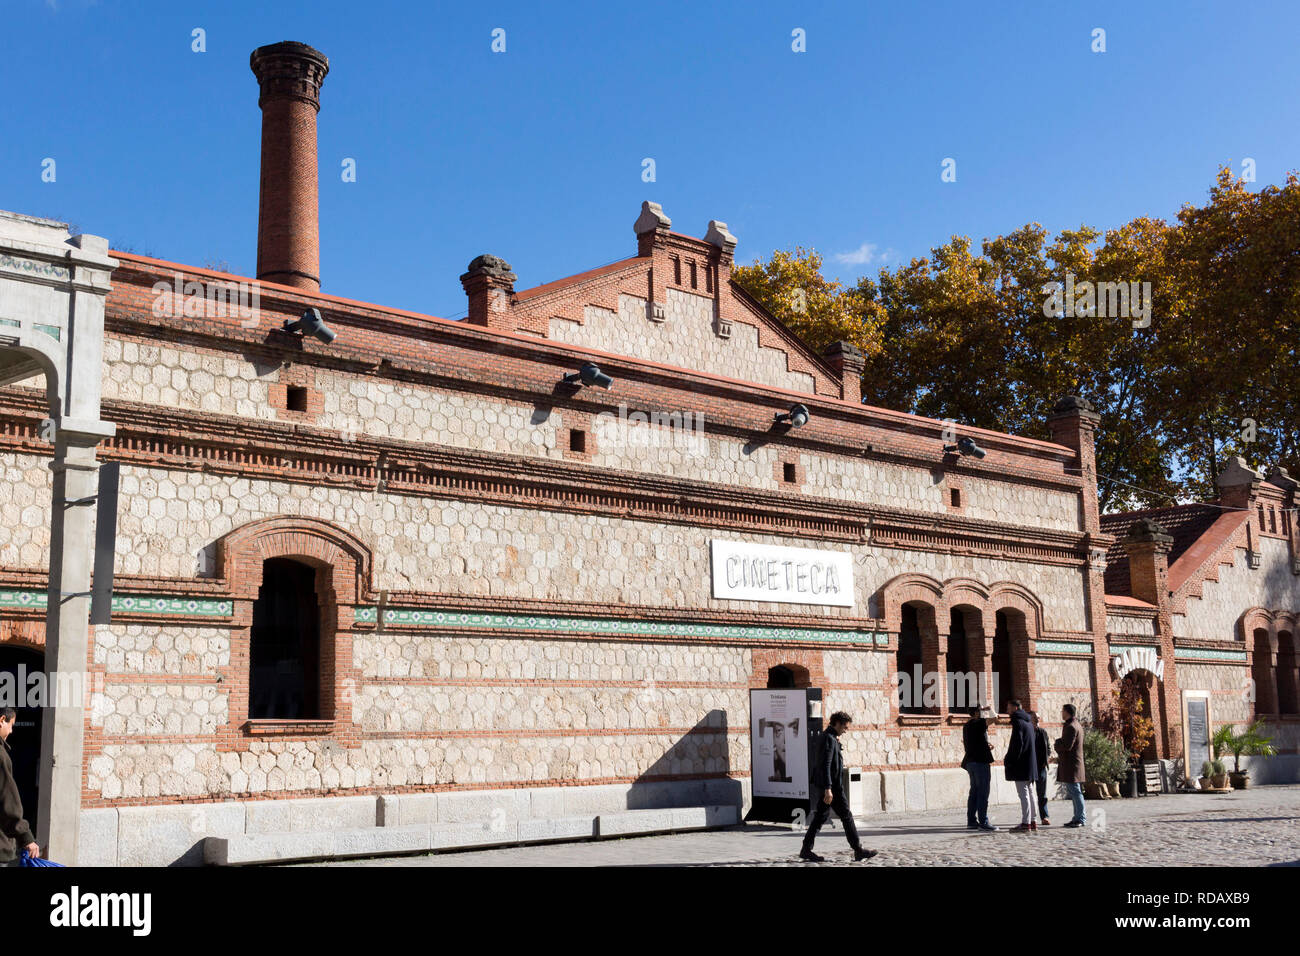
x,y
311,324
589,374
796,417
966,446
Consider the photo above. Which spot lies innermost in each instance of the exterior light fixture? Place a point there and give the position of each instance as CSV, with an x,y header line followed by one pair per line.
x,y
311,324
796,417
966,446
589,374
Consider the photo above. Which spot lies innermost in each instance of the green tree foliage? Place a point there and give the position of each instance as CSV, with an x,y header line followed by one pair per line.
x,y
972,336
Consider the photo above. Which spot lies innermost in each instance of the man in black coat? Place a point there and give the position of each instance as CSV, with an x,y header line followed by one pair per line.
x,y
827,774
15,834
978,764
1021,765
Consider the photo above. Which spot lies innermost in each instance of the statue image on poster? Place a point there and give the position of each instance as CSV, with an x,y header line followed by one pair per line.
x,y
779,740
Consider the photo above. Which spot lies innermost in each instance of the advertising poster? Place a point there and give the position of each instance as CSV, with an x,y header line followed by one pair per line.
x,y
778,731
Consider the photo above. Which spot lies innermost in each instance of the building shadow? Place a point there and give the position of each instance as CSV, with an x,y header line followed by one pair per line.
x,y
692,772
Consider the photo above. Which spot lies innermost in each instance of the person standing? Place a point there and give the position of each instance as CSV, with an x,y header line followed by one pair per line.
x,y
1069,764
978,764
1042,751
828,791
1021,766
15,834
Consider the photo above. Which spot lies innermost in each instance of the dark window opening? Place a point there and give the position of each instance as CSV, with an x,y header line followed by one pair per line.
x,y
25,739
693,278
1272,520
910,666
1002,673
780,678
284,644
1287,692
677,271
789,470
577,440
964,692
296,399
956,497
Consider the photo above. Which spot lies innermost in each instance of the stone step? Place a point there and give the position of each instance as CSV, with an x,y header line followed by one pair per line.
x,y
286,846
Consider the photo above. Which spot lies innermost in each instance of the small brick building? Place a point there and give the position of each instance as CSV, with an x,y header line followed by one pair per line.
x,y
411,581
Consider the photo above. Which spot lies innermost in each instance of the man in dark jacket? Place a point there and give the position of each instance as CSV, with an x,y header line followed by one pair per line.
x,y
827,774
1069,764
978,764
15,834
1021,765
1042,750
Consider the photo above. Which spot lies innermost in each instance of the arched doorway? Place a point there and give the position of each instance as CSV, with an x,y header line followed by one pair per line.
x,y
18,663
911,664
1003,674
1143,681
788,677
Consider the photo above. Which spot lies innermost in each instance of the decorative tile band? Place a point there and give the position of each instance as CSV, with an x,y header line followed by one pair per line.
x,y
1063,647
1206,654
129,604
524,622
37,268
1121,648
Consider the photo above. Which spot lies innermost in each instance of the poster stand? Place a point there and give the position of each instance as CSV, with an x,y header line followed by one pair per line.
x,y
783,723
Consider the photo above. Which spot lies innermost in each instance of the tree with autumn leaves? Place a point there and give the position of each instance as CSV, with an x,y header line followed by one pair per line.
x,y
974,336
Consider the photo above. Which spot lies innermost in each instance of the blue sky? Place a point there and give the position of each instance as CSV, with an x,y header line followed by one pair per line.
x,y
536,154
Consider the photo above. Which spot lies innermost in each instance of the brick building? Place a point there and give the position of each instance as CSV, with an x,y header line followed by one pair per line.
x,y
410,587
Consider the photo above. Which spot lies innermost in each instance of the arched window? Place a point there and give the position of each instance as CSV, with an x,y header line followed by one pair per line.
x,y
1264,675
284,644
1286,673
1003,672
963,683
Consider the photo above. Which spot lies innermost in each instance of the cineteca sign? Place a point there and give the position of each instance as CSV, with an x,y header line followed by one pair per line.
x,y
764,572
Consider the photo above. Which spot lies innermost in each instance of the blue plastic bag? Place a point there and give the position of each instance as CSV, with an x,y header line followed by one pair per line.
x,y
39,861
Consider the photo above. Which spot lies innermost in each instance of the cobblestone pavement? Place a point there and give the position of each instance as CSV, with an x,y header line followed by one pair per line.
x,y
1256,827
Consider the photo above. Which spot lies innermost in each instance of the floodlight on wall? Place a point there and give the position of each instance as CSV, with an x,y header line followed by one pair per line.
x,y
589,374
311,324
796,417
966,446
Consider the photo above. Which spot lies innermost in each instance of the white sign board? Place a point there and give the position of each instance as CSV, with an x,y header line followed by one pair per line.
x,y
778,738
764,572
1138,658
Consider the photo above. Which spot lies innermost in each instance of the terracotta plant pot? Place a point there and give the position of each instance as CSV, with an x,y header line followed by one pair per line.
x,y
1113,787
1240,781
1205,783
1220,781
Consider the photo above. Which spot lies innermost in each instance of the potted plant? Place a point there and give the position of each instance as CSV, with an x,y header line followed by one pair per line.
x,y
1104,760
1207,770
1219,778
1251,742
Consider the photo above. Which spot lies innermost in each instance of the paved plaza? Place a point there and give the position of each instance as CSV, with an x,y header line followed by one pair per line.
x,y
1257,827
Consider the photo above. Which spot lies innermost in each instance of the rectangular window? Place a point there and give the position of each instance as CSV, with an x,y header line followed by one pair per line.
x,y
296,399
577,440
956,497
789,472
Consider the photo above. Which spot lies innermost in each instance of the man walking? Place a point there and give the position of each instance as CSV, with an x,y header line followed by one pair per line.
x,y
1042,750
1069,764
828,791
15,834
978,764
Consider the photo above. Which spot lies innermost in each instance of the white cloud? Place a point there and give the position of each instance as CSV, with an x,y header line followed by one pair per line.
x,y
863,255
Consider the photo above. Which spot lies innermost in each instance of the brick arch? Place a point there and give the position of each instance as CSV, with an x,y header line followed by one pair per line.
x,y
969,594
241,552
1006,596
28,635
906,589
1271,621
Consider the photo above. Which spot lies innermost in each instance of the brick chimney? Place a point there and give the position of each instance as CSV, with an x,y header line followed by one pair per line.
x,y
1147,546
490,285
288,225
